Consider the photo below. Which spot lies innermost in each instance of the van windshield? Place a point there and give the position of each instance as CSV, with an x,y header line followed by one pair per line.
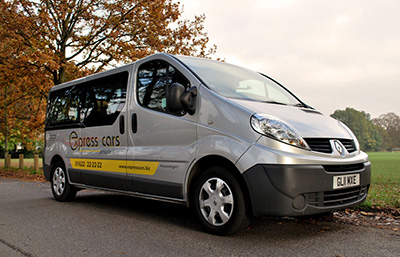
x,y
240,83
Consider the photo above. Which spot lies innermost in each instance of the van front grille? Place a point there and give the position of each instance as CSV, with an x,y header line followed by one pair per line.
x,y
344,168
336,197
349,144
323,145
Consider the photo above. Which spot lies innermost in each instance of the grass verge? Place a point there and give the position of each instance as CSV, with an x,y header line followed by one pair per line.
x,y
26,174
385,181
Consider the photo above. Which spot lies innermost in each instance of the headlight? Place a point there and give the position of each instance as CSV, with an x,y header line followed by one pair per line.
x,y
277,129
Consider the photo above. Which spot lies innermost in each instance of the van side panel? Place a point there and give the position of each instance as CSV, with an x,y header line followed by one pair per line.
x,y
58,146
95,137
163,143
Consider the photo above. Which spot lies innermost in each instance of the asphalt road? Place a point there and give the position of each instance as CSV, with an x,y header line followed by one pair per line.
x,y
107,224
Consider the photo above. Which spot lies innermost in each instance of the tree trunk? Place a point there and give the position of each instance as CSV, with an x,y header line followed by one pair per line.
x,y
5,128
59,76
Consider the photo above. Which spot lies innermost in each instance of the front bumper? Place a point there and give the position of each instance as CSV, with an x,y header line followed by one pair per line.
x,y
295,190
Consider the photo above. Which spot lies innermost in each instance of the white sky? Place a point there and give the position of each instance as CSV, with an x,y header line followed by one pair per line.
x,y
331,54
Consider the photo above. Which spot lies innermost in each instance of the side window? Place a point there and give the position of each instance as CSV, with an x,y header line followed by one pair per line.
x,y
63,107
153,81
104,99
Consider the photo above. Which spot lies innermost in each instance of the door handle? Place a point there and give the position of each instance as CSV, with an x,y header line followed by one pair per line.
x,y
121,124
134,123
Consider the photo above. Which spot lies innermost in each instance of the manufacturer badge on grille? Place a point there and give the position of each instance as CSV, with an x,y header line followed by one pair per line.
x,y
338,147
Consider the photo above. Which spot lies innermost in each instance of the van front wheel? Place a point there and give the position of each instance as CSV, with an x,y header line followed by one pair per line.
x,y
60,187
219,202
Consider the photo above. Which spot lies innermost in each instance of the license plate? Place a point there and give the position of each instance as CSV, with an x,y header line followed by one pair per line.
x,y
344,181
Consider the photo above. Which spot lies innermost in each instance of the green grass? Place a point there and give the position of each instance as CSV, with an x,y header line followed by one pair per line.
x,y
385,180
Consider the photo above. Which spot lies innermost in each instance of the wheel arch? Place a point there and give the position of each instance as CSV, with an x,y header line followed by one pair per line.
x,y
211,161
56,158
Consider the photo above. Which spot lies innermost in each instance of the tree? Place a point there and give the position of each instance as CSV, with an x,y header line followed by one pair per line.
x,y
390,123
23,87
369,135
96,34
47,42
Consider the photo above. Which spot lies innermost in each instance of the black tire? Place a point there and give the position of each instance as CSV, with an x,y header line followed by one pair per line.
x,y
60,187
219,202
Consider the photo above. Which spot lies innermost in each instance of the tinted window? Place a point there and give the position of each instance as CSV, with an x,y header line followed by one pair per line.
x,y
104,100
94,103
154,79
63,107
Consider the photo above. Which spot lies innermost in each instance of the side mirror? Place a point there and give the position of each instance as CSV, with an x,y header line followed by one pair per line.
x,y
175,91
188,100
179,99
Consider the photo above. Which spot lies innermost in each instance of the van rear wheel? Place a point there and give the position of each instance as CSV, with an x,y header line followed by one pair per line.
x,y
219,202
60,187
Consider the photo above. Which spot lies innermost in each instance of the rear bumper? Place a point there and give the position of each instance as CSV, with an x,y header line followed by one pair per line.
x,y
46,171
295,190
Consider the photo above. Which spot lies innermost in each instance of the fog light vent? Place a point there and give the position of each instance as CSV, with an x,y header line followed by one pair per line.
x,y
299,202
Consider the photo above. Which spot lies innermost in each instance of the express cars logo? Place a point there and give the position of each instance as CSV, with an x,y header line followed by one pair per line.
x,y
76,142
73,141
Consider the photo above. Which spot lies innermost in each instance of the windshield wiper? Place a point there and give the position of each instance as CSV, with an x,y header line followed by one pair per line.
x,y
303,105
274,102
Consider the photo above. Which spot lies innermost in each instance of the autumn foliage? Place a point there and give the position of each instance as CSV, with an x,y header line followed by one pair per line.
x,y
47,42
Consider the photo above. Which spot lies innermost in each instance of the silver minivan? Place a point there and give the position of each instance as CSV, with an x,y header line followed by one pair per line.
x,y
226,141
